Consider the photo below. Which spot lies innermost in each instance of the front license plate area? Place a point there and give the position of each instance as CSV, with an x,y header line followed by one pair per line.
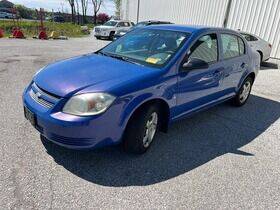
x,y
30,116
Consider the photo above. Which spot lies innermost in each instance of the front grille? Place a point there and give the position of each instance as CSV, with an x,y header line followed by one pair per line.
x,y
97,30
42,97
49,95
40,100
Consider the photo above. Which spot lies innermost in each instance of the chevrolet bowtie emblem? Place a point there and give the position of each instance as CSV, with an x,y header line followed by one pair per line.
x,y
38,95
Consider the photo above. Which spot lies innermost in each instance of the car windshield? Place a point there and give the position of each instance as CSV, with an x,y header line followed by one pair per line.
x,y
110,23
147,46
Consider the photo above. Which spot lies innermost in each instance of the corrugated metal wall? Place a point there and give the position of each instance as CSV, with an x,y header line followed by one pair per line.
x,y
260,17
196,12
129,10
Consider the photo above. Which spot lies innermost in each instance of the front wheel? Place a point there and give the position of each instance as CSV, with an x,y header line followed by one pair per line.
x,y
141,130
243,93
111,36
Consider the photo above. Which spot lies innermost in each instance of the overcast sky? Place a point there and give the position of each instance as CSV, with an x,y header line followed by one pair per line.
x,y
57,5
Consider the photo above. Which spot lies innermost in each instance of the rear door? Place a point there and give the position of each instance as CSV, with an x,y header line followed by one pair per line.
x,y
235,60
199,87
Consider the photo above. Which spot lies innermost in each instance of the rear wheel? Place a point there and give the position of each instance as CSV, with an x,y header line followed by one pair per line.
x,y
244,92
141,130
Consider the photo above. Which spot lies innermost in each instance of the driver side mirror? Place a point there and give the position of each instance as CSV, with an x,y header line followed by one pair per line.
x,y
194,63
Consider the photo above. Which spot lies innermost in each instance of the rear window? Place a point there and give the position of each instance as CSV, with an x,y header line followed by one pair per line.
x,y
249,37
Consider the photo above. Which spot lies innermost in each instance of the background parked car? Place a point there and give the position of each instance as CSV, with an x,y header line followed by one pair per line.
x,y
59,19
258,44
111,27
139,25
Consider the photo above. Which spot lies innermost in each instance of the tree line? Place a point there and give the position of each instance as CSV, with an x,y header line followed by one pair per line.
x,y
82,5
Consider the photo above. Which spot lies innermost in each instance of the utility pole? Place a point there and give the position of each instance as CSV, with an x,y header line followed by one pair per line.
x,y
138,8
227,13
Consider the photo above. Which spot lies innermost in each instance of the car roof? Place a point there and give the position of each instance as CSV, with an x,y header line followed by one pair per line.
x,y
189,28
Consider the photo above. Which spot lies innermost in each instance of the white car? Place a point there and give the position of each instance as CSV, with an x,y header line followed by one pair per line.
x,y
258,44
109,29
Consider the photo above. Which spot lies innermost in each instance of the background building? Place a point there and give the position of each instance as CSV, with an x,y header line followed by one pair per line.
x,y
260,17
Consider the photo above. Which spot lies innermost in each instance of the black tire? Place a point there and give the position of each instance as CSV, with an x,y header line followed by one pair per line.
x,y
111,36
136,130
237,100
98,37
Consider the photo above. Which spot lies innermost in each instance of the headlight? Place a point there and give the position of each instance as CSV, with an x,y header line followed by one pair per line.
x,y
88,104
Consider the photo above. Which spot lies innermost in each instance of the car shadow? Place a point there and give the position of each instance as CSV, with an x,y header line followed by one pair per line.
x,y
189,144
268,65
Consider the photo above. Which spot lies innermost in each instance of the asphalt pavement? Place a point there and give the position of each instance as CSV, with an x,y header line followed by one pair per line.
x,y
222,158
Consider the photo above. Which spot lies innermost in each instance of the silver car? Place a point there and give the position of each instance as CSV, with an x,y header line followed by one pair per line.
x,y
258,44
109,29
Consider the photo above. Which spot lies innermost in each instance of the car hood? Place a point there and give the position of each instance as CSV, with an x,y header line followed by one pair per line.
x,y
70,76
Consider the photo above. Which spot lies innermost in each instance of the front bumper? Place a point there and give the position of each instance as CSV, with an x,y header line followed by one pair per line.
x,y
75,132
104,34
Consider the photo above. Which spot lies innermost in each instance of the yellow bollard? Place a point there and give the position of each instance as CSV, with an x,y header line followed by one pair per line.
x,y
54,35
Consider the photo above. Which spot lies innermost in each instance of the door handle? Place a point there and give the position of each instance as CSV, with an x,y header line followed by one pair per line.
x,y
217,72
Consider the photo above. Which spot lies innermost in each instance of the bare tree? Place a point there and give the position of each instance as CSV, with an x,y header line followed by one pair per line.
x,y
84,4
96,7
72,5
78,11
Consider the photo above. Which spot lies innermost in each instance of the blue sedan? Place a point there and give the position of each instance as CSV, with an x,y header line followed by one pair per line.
x,y
136,86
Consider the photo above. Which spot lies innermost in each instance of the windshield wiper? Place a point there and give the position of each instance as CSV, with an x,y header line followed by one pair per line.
x,y
119,57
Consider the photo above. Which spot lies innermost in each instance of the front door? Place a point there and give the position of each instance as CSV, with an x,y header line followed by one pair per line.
x,y
199,87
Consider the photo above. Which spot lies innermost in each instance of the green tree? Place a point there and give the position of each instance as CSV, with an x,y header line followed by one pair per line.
x,y
25,12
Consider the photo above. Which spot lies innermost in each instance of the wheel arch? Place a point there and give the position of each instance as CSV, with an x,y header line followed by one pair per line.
x,y
161,103
261,54
250,74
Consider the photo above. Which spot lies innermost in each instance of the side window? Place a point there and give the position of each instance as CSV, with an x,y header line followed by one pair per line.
x,y
253,38
249,37
206,48
126,24
230,46
241,46
121,24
